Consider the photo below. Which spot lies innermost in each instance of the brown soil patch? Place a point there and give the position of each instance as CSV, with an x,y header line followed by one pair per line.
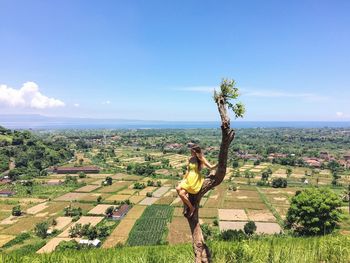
x,y
52,244
261,228
127,192
135,212
179,231
62,222
146,190
165,200
72,196
135,199
5,238
120,233
232,214
9,220
208,212
118,198
37,208
115,187
261,215
44,214
161,191
99,209
88,188
149,201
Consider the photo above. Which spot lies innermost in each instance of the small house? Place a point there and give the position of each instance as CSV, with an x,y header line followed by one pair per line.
x,y
120,212
5,181
75,170
6,193
96,242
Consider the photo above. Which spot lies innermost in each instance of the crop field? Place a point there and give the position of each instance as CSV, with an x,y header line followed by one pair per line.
x,y
117,198
135,199
37,208
165,200
99,209
149,228
88,188
5,238
149,201
25,223
52,244
62,222
121,233
115,187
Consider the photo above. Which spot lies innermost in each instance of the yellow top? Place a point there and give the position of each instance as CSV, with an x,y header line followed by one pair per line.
x,y
193,181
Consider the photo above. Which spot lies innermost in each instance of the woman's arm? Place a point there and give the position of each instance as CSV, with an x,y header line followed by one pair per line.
x,y
188,162
207,164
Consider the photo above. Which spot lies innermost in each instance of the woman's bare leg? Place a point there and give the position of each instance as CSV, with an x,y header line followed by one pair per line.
x,y
183,195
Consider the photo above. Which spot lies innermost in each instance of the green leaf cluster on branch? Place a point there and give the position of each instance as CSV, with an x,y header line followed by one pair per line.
x,y
229,91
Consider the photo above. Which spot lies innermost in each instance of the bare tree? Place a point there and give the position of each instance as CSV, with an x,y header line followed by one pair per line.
x,y
224,100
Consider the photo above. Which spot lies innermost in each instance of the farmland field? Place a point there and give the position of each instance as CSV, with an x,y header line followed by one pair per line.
x,y
149,228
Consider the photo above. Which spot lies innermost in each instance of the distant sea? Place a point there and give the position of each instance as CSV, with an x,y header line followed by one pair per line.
x,y
38,122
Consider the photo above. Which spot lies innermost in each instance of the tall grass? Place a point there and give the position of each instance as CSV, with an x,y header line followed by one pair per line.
x,y
334,248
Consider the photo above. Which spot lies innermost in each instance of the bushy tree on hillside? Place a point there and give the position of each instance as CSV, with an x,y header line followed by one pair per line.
x,y
314,211
250,228
41,229
279,183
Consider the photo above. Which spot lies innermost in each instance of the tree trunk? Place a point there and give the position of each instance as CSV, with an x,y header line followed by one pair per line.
x,y
201,251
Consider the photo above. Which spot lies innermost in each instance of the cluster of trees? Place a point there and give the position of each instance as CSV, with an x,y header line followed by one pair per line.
x,y
139,186
89,231
141,169
210,233
74,212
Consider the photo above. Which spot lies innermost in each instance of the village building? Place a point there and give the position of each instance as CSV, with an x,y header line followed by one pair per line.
x,y
121,212
173,146
313,162
96,242
6,193
73,170
324,155
5,181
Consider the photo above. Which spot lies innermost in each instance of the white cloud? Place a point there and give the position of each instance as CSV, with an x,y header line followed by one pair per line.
x,y
27,96
339,114
106,102
76,105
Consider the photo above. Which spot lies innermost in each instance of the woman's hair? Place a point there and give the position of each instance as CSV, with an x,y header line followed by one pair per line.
x,y
199,156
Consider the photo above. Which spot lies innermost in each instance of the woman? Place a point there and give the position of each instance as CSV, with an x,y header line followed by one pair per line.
x,y
193,180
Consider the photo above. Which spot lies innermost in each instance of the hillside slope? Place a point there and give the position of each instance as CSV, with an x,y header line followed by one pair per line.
x,y
271,249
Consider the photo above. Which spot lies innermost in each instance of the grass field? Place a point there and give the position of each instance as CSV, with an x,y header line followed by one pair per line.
x,y
332,249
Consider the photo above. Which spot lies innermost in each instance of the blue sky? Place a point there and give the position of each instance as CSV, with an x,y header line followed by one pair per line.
x,y
160,60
